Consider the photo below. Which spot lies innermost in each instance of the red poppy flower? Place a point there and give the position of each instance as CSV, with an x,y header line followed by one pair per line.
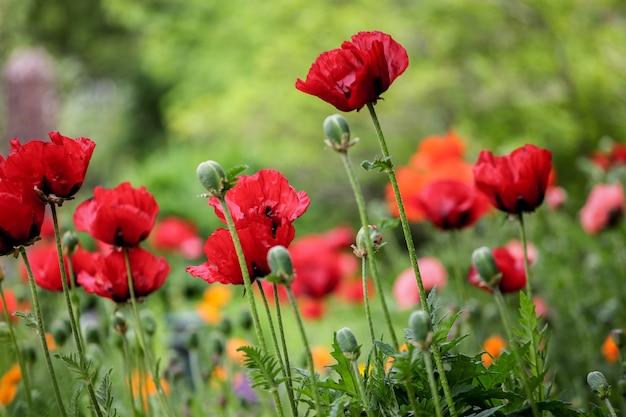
x,y
43,260
176,234
257,236
21,215
111,281
57,167
122,216
451,204
12,304
405,290
357,73
517,182
317,267
268,193
604,208
512,269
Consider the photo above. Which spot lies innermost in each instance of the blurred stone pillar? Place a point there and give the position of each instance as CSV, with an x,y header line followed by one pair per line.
x,y
29,96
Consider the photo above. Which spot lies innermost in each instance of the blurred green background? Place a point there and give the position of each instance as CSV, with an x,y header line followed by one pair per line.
x,y
163,85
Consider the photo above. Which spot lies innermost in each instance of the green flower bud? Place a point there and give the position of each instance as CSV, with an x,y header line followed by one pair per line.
x,y
598,384
119,323
92,333
360,249
29,353
212,177
193,341
148,323
485,265
60,332
421,327
337,132
245,320
225,326
217,345
279,261
619,337
348,344
70,243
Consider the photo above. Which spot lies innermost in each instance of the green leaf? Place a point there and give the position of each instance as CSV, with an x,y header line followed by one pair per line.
x,y
388,223
28,319
104,395
486,413
264,368
383,164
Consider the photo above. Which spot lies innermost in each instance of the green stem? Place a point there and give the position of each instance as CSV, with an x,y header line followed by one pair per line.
x,y
18,353
412,400
506,321
358,195
431,381
129,373
76,332
147,354
412,255
610,407
368,312
307,348
361,385
198,383
281,328
244,272
277,349
42,334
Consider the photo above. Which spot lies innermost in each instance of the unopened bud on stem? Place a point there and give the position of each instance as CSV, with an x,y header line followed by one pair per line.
x,y
212,177
348,344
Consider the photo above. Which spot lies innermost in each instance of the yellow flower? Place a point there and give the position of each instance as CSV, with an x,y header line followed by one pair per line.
x,y
8,384
493,347
215,297
145,387
390,359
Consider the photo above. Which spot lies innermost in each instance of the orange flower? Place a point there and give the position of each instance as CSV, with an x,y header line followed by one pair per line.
x,y
145,386
610,350
215,297
493,347
435,149
321,358
234,355
8,384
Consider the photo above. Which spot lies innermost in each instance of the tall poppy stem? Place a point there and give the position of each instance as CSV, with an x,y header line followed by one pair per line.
x,y
412,254
371,259
18,353
283,340
76,331
42,333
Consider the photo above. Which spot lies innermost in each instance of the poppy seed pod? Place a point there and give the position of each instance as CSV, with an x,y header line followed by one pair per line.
x,y
337,132
212,177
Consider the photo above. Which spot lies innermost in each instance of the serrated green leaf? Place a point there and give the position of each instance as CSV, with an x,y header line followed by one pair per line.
x,y
28,319
385,348
383,164
104,396
264,368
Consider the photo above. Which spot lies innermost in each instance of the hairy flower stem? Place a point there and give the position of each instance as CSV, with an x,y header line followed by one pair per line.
x,y
76,331
42,334
362,392
609,406
129,374
147,354
368,312
412,255
307,348
277,349
18,353
244,272
360,201
506,321
431,381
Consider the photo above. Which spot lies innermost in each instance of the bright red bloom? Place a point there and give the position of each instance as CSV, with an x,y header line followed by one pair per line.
x,y
604,208
268,193
257,236
57,167
357,73
512,269
122,216
21,214
176,234
44,263
111,281
517,182
452,204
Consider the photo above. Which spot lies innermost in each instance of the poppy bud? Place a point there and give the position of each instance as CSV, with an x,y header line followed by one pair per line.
x,y
598,383
92,333
193,341
421,326
348,344
70,243
337,132
361,240
485,265
119,323
147,322
226,326
245,319
60,332
212,177
279,261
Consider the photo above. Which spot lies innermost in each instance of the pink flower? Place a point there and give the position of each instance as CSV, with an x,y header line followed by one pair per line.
x,y
603,209
555,197
516,249
405,289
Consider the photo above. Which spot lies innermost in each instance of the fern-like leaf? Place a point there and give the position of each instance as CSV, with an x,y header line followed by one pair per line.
x,y
264,368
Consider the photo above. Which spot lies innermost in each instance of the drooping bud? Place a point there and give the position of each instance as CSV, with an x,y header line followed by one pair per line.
x,y
360,249
337,133
212,177
348,344
70,243
421,327
598,383
119,323
279,261
485,264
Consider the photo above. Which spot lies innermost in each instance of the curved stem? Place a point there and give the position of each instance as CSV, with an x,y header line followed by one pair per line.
x,y
247,282
42,334
412,255
18,353
307,348
358,195
279,319
76,332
